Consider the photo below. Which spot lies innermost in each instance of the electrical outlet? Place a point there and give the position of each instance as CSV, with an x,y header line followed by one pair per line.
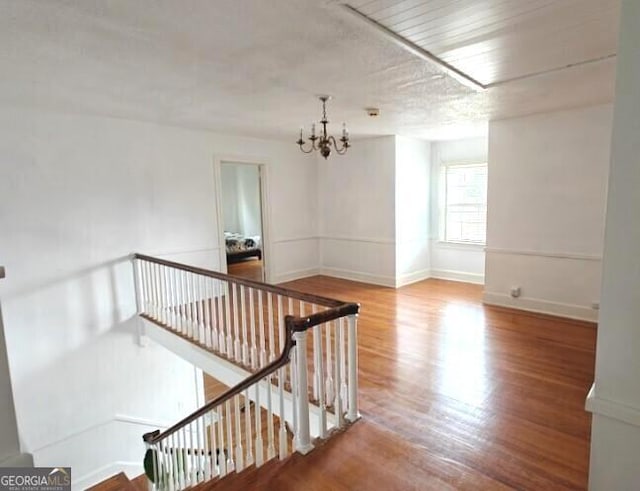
x,y
516,292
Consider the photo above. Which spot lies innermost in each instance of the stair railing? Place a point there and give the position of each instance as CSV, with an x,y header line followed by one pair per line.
x,y
248,322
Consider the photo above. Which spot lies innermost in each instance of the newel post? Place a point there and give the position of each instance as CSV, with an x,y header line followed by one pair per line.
x,y
303,443
353,414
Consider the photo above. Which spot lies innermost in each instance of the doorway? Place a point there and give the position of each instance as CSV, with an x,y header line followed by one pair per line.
x,y
242,219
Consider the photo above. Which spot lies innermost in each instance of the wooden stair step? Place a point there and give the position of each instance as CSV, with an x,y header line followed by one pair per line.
x,y
247,479
118,482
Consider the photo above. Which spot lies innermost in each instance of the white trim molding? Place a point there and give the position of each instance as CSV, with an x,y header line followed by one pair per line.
x,y
539,306
370,240
296,275
552,254
611,409
302,238
346,274
463,276
414,277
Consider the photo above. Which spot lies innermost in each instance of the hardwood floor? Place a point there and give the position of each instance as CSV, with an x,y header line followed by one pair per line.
x,y
250,269
454,395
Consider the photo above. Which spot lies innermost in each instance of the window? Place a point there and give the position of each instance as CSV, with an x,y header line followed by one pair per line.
x,y
465,203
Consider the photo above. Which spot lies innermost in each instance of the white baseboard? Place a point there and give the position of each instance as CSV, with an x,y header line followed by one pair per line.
x,y
131,469
346,274
18,460
539,306
448,274
296,275
611,409
407,279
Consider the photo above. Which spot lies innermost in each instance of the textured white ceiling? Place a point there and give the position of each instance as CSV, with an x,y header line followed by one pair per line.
x,y
255,66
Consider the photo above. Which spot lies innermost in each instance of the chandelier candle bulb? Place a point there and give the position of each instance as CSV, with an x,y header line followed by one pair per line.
x,y
325,143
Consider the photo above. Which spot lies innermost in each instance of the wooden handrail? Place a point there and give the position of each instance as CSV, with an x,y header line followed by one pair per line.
x,y
292,325
305,297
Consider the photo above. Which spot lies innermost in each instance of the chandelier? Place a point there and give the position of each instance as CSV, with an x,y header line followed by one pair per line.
x,y
325,142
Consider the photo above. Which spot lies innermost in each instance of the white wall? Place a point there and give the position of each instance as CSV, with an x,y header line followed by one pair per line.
x,y
413,162
462,262
229,199
357,212
615,397
9,443
241,198
547,191
77,195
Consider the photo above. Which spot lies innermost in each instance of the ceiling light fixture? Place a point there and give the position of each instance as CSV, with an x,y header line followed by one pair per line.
x,y
325,142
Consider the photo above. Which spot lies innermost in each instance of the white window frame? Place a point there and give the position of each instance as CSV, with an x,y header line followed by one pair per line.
x,y
442,193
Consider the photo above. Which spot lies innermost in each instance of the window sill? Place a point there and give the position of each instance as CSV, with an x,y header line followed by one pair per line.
x,y
467,246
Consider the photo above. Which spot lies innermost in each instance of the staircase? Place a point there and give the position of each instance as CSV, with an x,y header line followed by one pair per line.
x,y
297,353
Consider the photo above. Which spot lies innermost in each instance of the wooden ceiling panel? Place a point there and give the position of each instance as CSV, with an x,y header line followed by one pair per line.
x,y
497,40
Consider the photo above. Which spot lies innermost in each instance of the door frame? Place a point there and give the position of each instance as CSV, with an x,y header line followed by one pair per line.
x,y
265,212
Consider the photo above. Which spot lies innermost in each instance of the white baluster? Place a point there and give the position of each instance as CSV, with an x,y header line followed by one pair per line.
x,y
247,433
202,332
329,380
317,345
192,454
185,305
221,458
145,288
272,336
337,405
353,413
237,352
150,301
263,351
271,449
166,463
283,429
219,294
319,372
227,288
195,304
302,432
173,452
252,320
211,302
172,298
201,449
191,325
206,311
238,424
163,293
294,391
177,298
212,443
230,463
343,363
186,464
137,286
156,297
258,415
245,336
280,326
